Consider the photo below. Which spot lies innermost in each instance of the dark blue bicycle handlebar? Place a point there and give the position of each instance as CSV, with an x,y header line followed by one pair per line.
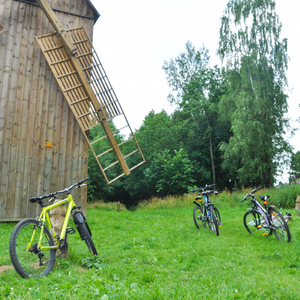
x,y
202,189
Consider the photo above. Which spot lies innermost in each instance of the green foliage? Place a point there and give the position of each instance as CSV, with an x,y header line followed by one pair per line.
x,y
200,107
287,194
256,64
199,89
157,133
93,262
184,69
170,175
252,28
97,185
295,165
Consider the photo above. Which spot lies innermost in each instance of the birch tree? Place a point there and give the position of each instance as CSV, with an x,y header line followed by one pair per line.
x,y
255,58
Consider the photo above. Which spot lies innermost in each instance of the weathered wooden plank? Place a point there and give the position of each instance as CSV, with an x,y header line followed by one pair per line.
x,y
49,136
75,142
32,142
22,97
58,103
5,70
84,150
63,143
69,156
13,105
27,114
1,28
15,178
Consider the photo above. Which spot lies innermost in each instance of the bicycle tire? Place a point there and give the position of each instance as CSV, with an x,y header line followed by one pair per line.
x,y
28,263
212,221
218,216
282,231
198,214
252,221
85,235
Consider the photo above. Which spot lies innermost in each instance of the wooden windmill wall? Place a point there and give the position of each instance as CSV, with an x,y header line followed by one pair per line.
x,y
1,28
42,148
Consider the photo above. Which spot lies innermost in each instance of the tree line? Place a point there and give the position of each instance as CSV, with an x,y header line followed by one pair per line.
x,y
229,123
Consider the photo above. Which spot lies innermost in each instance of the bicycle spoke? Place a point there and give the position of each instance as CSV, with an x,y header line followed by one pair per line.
x,y
31,262
281,229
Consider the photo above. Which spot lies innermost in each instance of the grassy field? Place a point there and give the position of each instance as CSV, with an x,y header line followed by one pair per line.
x,y
156,252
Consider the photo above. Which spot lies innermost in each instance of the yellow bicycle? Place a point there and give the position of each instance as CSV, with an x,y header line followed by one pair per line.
x,y
33,242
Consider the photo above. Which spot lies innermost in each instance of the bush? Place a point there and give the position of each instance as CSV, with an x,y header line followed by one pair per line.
x,y
287,194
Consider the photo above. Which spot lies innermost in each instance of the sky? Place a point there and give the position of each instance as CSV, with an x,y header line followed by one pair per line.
x,y
133,39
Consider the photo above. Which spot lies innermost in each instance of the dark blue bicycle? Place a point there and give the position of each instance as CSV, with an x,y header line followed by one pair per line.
x,y
205,211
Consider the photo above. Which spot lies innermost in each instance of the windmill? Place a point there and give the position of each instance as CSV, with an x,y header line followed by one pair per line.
x,y
84,83
50,109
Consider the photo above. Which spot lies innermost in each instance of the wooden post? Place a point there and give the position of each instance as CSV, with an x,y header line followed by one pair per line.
x,y
57,219
297,206
118,206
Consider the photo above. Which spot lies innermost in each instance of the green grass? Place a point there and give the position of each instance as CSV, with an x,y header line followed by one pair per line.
x,y
156,252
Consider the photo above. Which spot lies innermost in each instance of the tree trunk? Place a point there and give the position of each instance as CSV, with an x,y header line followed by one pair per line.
x,y
211,154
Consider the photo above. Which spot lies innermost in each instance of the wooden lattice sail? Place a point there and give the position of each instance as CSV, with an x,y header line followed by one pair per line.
x,y
1,28
83,81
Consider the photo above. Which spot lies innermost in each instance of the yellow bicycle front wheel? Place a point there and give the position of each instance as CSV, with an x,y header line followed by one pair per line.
x,y
25,256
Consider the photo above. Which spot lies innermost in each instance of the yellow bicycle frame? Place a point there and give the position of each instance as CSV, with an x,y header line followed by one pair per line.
x,y
44,216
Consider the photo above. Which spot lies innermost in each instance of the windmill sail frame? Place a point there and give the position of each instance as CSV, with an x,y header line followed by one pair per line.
x,y
87,113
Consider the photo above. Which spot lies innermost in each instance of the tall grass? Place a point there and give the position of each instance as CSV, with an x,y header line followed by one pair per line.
x,y
286,195
167,202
